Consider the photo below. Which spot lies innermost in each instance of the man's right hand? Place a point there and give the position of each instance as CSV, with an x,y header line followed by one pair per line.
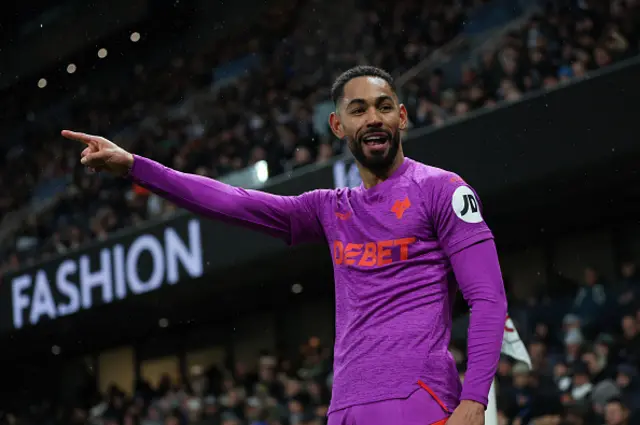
x,y
102,154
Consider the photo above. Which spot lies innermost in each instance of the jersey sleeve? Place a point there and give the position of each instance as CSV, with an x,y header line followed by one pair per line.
x,y
456,214
294,219
477,270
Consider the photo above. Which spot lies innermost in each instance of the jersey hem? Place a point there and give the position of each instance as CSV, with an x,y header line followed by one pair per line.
x,y
371,401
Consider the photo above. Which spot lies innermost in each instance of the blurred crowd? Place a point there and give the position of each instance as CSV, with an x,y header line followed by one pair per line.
x,y
275,392
268,112
556,46
585,351
180,120
585,354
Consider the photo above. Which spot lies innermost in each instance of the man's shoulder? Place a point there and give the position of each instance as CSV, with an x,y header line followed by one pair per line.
x,y
428,176
321,197
327,193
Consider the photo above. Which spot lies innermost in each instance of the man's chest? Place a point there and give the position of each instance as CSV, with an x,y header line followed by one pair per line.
x,y
378,230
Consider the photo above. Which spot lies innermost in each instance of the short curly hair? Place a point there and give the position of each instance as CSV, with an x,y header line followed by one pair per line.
x,y
337,90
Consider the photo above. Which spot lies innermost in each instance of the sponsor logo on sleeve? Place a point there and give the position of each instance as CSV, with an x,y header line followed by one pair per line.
x,y
465,205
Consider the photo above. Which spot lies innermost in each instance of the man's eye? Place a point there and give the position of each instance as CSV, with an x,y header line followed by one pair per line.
x,y
386,108
357,111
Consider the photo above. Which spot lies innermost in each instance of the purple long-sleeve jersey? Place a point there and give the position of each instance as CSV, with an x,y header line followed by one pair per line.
x,y
396,247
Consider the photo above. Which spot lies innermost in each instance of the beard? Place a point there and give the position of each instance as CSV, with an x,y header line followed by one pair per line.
x,y
377,161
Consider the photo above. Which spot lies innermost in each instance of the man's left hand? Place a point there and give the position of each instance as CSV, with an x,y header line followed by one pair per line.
x,y
467,413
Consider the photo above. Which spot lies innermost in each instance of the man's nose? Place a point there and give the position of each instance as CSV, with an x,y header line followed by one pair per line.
x,y
373,118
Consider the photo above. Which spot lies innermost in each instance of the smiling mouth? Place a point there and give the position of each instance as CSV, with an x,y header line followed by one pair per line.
x,y
374,139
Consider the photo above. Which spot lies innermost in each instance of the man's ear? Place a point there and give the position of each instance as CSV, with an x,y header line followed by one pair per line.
x,y
404,120
336,126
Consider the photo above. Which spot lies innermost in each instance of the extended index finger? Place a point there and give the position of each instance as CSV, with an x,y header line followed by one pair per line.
x,y
87,139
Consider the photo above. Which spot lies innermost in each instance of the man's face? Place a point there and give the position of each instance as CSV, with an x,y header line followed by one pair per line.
x,y
371,119
602,350
295,407
580,379
537,350
628,270
153,414
590,277
560,370
573,349
592,362
629,327
521,380
504,368
622,380
615,414
171,420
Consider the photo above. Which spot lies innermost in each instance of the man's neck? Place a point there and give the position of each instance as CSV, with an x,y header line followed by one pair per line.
x,y
371,178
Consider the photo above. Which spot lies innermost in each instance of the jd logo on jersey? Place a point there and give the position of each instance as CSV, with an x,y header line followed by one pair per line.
x,y
465,205
470,205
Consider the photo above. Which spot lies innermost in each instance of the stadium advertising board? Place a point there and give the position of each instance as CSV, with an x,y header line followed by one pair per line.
x,y
166,254
560,130
345,173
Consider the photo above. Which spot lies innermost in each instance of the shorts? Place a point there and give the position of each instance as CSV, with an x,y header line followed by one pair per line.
x,y
422,407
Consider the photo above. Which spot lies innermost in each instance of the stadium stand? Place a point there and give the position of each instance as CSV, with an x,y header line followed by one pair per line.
x,y
265,115
268,114
586,354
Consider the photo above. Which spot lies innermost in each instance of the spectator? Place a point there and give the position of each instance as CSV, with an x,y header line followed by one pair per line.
x,y
504,382
597,366
617,413
573,344
539,357
562,377
630,350
629,284
581,385
590,300
570,322
627,382
602,394
602,349
152,417
522,396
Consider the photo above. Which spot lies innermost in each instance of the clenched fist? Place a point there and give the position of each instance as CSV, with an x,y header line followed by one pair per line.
x,y
102,154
